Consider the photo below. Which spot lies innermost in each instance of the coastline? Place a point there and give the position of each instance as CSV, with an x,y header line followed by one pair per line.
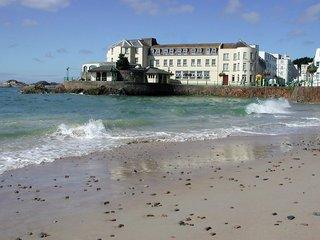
x,y
161,190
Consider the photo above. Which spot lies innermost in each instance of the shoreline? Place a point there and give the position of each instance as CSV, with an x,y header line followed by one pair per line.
x,y
74,198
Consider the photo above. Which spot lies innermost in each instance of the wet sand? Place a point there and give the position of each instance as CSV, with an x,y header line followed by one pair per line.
x,y
264,187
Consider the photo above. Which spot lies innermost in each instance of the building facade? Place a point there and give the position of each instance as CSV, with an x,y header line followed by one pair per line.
x,y
271,64
317,64
201,64
286,69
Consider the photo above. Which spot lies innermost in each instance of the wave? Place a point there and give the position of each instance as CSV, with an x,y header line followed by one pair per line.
x,y
271,106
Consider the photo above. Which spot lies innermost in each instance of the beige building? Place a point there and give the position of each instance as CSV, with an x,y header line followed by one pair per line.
x,y
208,63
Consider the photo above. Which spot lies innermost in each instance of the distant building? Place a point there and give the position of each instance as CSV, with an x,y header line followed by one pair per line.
x,y
200,63
316,62
285,68
271,64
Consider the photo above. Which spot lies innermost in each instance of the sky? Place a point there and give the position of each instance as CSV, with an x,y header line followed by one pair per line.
x,y
39,39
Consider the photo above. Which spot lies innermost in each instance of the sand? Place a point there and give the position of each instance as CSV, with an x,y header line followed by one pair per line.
x,y
261,187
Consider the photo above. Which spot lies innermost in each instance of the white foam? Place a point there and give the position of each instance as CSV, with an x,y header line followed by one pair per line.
x,y
271,106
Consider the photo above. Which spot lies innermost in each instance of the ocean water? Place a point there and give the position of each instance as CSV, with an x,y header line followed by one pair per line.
x,y
37,128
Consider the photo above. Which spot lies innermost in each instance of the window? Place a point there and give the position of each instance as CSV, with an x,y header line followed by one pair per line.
x,y
251,78
318,64
199,62
178,74
111,51
206,74
244,66
165,62
234,67
251,66
193,51
185,74
225,67
238,67
244,78
235,56
179,51
199,50
213,62
245,56
199,75
225,56
251,56
111,59
208,50
184,62
156,63
171,51
85,68
136,60
151,63
179,62
238,55
171,62
192,74
238,78
193,62
233,78
207,62
165,51
185,51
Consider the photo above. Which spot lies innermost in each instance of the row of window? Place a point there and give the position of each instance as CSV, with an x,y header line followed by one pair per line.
x,y
236,78
184,63
184,51
236,67
236,56
192,74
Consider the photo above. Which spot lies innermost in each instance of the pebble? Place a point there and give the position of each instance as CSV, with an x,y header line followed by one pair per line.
x,y
291,217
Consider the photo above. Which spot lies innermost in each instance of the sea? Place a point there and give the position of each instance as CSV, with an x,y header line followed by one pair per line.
x,y
42,128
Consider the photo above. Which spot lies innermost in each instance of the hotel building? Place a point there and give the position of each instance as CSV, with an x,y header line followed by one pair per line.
x,y
202,64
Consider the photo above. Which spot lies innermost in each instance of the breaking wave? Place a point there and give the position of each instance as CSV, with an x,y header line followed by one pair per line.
x,y
271,106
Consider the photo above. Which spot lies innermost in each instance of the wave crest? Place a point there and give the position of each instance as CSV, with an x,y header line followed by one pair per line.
x,y
271,106
89,130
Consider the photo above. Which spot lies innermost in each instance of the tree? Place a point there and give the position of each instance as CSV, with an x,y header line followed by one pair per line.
x,y
122,63
312,69
303,60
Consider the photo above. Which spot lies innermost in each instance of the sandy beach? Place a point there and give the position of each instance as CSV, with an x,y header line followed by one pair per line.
x,y
262,187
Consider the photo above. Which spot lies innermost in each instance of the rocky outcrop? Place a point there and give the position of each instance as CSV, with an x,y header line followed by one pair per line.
x,y
299,94
12,83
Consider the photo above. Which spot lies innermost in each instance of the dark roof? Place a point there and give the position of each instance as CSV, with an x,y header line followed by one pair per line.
x,y
188,45
103,68
233,45
153,70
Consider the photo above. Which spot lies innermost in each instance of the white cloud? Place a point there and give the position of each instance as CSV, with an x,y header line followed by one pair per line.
x,y
49,55
5,2
62,50
311,14
29,23
47,5
143,6
233,6
184,8
251,17
154,7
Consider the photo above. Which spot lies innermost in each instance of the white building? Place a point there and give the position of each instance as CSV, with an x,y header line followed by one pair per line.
x,y
201,63
271,64
285,68
316,62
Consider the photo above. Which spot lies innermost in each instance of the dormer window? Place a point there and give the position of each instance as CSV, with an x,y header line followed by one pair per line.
x,y
193,51
199,50
158,51
179,51
208,51
165,51
185,51
171,51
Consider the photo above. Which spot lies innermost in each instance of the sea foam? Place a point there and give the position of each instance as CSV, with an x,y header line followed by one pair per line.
x,y
271,106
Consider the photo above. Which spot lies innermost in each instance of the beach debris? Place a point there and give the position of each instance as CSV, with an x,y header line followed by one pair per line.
x,y
120,225
208,228
274,214
317,214
43,235
291,217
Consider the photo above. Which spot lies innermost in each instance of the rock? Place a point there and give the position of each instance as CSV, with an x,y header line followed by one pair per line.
x,y
291,217
208,228
43,235
316,214
120,225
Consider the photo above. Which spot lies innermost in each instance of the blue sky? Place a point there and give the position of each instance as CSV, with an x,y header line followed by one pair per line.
x,y
40,38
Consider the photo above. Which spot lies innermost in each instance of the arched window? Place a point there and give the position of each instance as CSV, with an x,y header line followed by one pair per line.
x,y
85,68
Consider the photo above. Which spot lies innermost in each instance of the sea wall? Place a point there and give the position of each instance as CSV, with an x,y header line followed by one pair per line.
x,y
299,94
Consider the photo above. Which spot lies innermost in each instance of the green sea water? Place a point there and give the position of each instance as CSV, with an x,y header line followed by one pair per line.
x,y
37,128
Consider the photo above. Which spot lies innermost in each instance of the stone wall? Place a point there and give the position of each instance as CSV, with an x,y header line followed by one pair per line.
x,y
299,94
